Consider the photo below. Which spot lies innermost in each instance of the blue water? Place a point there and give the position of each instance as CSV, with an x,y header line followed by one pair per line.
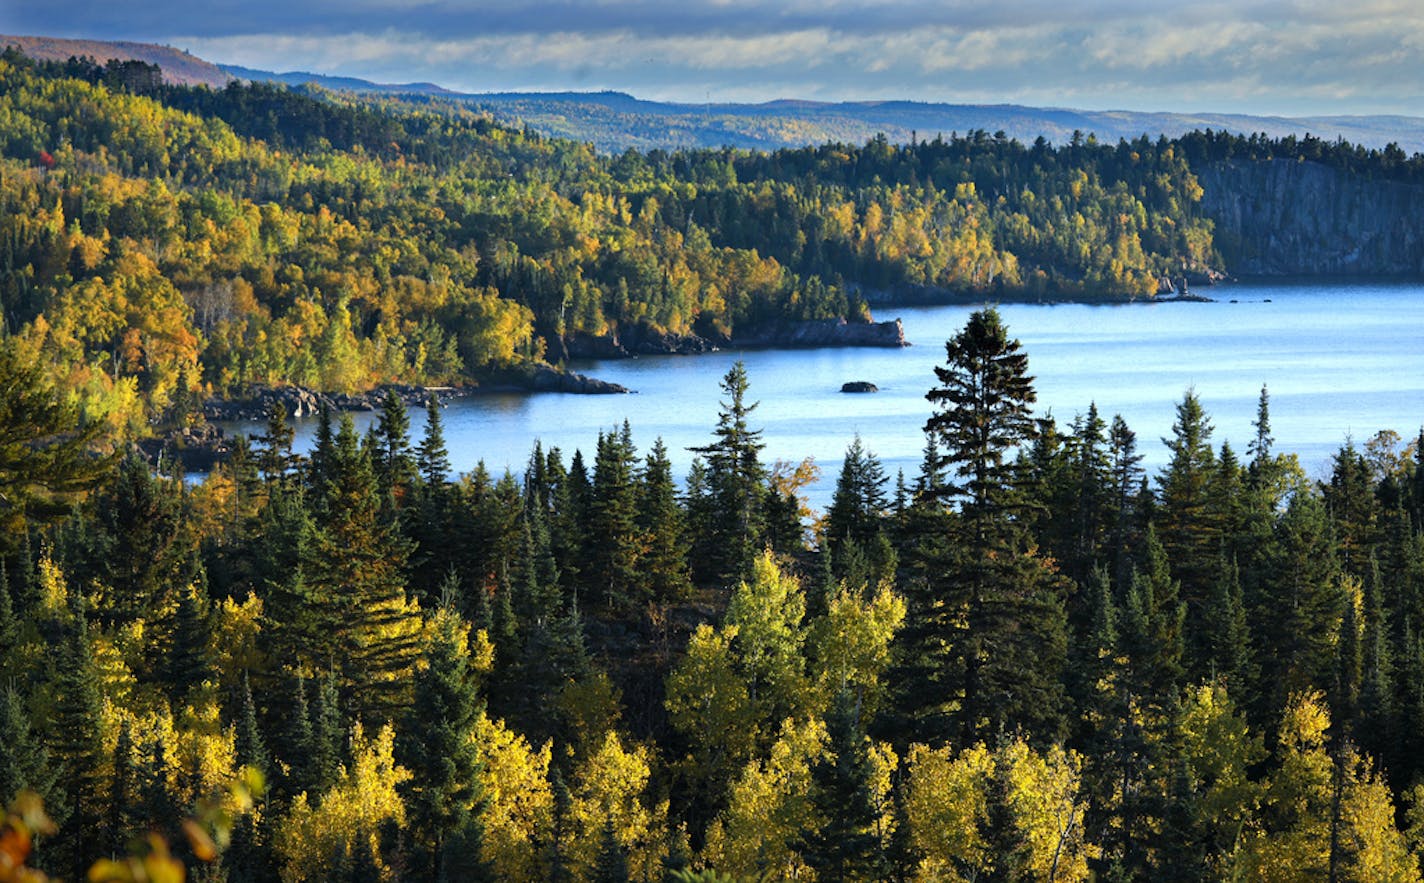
x,y
1340,360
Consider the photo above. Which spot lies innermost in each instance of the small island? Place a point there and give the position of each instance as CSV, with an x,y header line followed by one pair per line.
x,y
859,386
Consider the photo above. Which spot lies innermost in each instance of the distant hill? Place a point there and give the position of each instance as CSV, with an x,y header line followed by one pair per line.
x,y
346,84
614,121
179,67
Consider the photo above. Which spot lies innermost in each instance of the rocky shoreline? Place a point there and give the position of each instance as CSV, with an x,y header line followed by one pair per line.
x,y
805,334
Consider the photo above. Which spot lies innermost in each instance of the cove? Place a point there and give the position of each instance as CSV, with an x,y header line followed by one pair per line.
x,y
1340,359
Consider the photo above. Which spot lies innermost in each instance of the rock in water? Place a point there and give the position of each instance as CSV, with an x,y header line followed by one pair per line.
x,y
859,386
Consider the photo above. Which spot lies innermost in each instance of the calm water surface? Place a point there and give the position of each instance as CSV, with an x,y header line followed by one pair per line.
x,y
1339,359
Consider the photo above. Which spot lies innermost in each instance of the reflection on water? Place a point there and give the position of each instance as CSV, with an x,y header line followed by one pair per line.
x,y
1339,360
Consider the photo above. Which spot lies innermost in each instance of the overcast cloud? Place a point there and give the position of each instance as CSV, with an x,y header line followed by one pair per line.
x,y
1252,56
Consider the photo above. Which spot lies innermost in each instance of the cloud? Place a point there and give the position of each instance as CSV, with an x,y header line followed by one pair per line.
x,y
1262,56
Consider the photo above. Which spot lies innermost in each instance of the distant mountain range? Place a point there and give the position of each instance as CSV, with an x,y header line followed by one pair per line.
x,y
614,121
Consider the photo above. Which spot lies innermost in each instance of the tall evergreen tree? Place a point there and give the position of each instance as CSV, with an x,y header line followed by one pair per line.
x,y
437,745
989,630
843,845
76,745
613,539
24,759
736,482
663,574
354,578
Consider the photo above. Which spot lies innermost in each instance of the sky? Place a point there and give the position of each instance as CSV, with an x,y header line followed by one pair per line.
x,y
1286,57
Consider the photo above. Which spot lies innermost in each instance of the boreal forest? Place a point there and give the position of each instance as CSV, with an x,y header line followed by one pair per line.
x,y
1032,660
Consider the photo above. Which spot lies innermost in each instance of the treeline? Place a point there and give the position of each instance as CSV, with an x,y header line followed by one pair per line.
x,y
158,241
1031,661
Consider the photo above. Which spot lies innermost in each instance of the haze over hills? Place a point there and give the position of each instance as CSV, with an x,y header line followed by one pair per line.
x,y
615,121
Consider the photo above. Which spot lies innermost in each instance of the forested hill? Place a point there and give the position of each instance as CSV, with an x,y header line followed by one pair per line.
x,y
160,242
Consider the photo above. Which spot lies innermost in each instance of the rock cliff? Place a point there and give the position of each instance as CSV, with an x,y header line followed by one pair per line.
x,y
1288,218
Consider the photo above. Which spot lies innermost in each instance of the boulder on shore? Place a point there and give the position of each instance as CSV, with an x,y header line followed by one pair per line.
x,y
859,386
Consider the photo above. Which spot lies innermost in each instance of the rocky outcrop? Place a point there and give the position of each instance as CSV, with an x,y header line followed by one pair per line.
x,y
824,332
1287,218
791,335
859,386
545,378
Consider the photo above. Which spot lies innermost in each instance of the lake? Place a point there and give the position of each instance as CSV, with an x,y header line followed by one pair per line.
x,y
1340,360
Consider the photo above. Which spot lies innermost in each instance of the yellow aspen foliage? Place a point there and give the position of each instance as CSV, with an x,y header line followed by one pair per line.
x,y
770,805
710,706
850,645
1294,840
946,809
1219,750
883,764
518,811
1373,847
235,649
1041,793
609,787
204,754
346,823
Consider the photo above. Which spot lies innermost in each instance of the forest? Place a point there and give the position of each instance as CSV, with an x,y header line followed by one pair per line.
x,y
160,245
1029,661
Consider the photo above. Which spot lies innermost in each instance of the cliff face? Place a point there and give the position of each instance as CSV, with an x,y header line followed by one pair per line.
x,y
1285,218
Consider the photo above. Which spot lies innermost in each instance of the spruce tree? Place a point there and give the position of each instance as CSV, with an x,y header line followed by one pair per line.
x,y
843,845
991,627
354,576
395,465
613,540
436,744
24,759
77,749
662,574
611,864
736,482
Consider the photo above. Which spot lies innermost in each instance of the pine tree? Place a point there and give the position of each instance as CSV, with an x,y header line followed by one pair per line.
x,y
1187,523
432,457
187,664
842,845
276,460
736,481
855,521
328,740
250,748
663,574
393,462
437,745
1152,626
612,863
24,760
613,541
77,749
363,623
991,630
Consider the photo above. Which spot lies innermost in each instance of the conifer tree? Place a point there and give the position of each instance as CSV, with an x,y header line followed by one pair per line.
x,y
24,759
663,573
613,541
990,631
364,623
736,481
249,746
394,464
76,746
612,862
187,664
327,735
842,844
437,746
432,456
1187,523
